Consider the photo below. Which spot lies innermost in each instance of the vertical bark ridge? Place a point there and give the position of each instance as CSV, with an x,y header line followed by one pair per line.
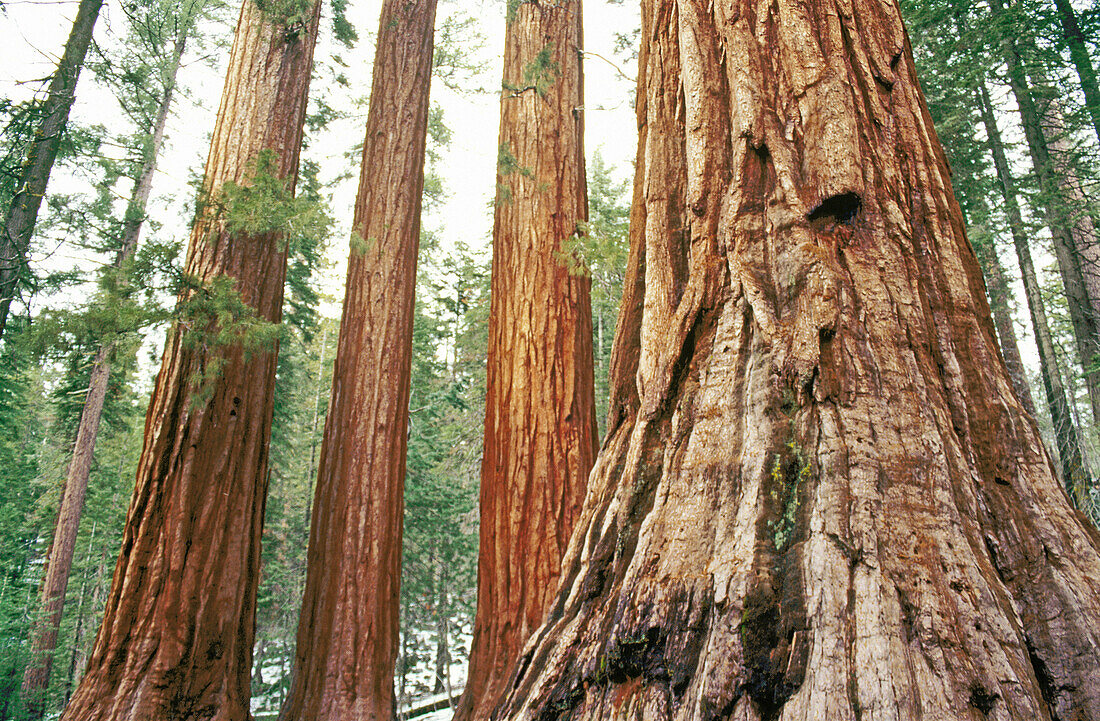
x,y
176,637
831,503
540,424
348,629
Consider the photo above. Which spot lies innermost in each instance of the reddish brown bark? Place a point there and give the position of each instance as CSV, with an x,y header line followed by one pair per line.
x,y
829,503
540,418
59,559
176,638
348,630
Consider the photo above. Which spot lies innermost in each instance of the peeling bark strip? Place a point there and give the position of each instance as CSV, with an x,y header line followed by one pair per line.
x,y
829,503
176,639
540,417
348,630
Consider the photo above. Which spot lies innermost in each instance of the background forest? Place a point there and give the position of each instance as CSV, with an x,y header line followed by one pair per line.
x,y
1012,88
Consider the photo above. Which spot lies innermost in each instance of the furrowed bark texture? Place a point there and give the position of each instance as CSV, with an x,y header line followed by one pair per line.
x,y
22,215
59,560
540,418
830,503
176,639
348,630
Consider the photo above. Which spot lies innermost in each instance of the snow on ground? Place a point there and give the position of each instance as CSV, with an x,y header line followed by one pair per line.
x,y
444,715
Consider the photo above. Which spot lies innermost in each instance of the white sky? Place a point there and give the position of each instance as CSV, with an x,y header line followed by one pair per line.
x,y
35,31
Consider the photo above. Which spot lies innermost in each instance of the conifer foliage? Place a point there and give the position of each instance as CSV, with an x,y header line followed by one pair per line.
x,y
177,634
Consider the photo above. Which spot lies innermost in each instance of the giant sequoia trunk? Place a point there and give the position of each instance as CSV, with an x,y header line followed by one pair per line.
x,y
826,502
540,413
59,560
176,638
22,215
348,630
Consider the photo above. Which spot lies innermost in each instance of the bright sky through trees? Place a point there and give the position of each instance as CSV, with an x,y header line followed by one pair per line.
x,y
35,31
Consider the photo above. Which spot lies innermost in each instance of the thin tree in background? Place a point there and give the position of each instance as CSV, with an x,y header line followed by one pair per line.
x,y
1075,240
829,502
1082,61
59,558
176,637
22,214
1075,472
348,629
540,418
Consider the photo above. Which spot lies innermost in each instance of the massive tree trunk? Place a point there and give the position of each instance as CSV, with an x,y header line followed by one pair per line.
x,y
59,559
348,630
1074,236
829,503
22,214
540,413
176,638
1075,473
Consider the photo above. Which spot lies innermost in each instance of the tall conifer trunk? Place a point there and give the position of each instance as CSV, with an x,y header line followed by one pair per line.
x,y
177,633
1082,61
348,630
1075,473
540,417
1076,245
22,215
59,559
828,503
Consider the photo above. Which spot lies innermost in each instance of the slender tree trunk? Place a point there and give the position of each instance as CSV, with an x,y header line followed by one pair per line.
x,y
1075,473
312,470
348,631
1074,237
21,216
1079,53
999,290
78,634
59,558
176,638
829,503
442,631
540,417
43,636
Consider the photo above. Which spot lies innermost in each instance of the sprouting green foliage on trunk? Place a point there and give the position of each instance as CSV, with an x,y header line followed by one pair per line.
x,y
264,205
539,74
287,13
213,314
